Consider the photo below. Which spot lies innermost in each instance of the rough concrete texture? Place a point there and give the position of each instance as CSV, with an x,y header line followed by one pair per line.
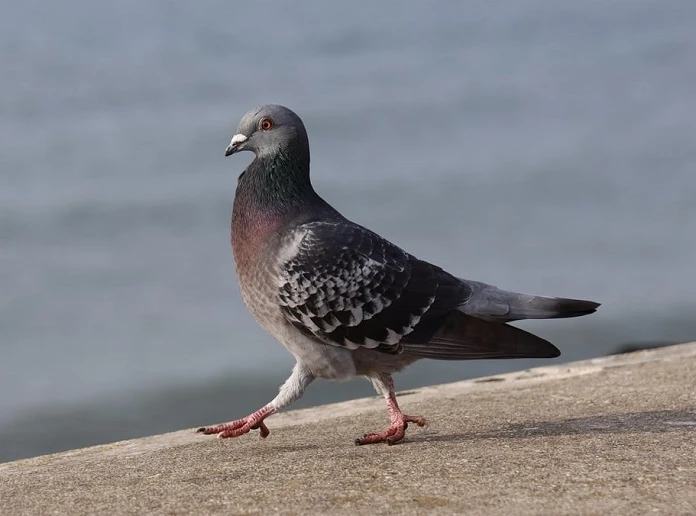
x,y
614,435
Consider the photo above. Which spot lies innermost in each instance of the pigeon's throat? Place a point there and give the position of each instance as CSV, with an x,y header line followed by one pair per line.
x,y
270,193
276,185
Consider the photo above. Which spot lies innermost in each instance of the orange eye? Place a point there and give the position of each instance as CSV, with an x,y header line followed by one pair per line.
x,y
266,124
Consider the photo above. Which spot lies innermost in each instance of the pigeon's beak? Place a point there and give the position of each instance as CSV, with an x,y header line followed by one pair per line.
x,y
235,144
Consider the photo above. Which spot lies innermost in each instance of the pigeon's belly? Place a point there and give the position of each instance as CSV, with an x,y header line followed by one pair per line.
x,y
260,294
369,362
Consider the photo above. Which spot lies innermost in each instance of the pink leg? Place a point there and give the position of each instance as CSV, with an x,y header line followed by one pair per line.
x,y
291,390
399,420
242,426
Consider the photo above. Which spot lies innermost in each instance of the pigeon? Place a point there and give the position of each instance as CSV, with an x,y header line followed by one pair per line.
x,y
345,301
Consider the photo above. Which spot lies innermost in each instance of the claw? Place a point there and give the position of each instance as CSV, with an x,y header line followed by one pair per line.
x,y
262,428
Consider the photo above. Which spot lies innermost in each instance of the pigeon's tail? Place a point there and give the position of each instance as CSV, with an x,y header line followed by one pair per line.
x,y
493,304
463,337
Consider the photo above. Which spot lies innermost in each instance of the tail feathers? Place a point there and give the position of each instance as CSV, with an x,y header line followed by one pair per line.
x,y
556,307
463,337
493,304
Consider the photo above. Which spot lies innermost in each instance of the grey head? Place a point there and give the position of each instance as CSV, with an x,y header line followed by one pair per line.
x,y
269,130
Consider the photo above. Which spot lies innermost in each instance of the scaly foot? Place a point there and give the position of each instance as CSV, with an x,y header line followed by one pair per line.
x,y
393,434
238,427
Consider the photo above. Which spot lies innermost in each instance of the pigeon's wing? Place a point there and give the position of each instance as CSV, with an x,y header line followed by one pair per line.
x,y
350,287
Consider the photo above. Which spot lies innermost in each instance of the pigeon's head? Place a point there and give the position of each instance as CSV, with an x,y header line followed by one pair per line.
x,y
266,130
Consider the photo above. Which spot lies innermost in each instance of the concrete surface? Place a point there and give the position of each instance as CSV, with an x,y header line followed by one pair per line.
x,y
614,435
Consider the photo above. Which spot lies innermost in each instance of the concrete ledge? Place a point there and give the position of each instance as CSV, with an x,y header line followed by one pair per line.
x,y
614,435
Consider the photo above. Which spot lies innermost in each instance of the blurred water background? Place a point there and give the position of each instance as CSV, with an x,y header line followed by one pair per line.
x,y
541,145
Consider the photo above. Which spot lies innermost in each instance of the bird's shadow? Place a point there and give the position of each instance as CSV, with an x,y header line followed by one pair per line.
x,y
658,421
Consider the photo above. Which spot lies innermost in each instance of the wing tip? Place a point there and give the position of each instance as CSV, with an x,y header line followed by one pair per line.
x,y
551,351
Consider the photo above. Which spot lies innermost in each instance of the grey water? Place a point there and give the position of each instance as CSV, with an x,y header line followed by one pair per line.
x,y
541,145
